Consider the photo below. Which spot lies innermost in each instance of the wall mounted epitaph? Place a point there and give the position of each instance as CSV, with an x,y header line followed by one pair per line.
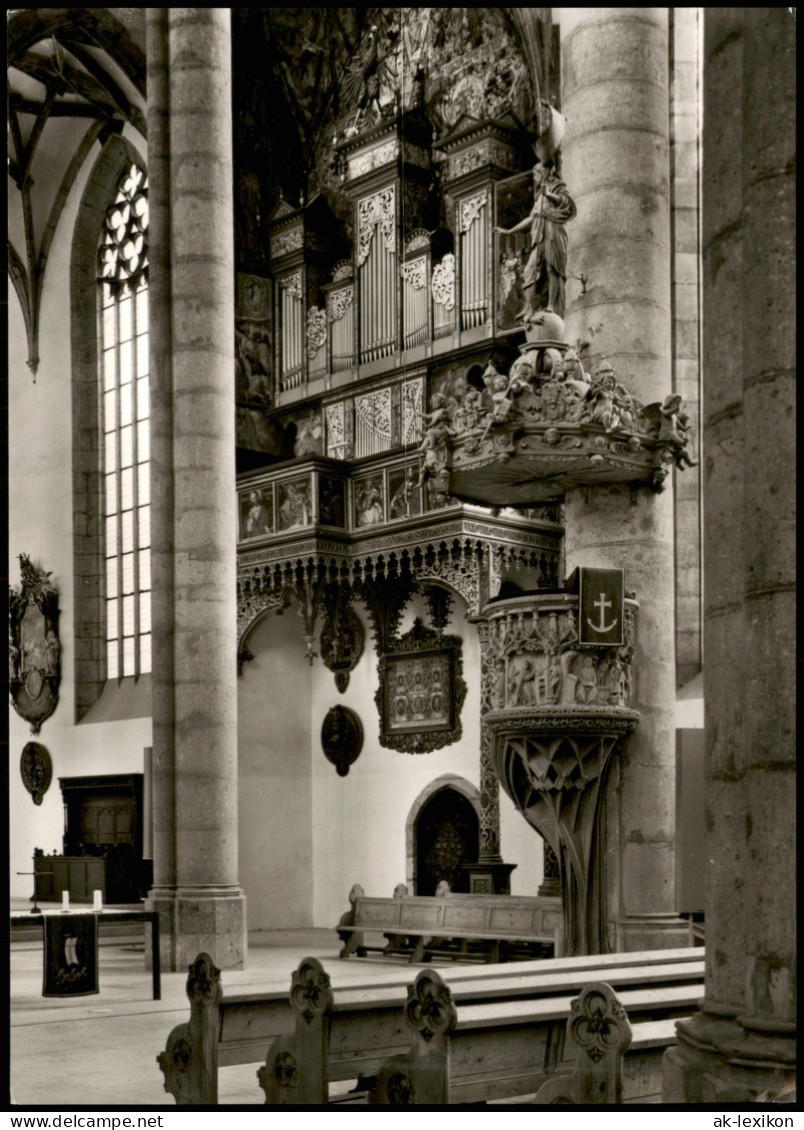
x,y
341,738
36,770
34,652
421,691
341,643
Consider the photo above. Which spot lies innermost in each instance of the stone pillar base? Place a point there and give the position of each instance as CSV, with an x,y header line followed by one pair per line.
x,y
634,932
719,1060
200,919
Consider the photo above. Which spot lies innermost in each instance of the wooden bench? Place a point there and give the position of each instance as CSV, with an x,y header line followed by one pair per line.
x,y
350,1033
470,1052
488,928
226,1031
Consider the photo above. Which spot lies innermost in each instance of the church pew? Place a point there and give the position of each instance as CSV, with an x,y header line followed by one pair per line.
x,y
227,1030
464,927
349,1033
468,1052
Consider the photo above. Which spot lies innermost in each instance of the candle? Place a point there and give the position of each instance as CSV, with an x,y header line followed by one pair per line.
x,y
97,901
65,900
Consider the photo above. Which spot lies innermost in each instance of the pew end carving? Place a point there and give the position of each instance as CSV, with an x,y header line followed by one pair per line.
x,y
296,1067
189,1061
599,1032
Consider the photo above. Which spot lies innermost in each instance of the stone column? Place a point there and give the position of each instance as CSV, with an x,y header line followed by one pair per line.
x,y
686,300
195,724
741,1045
615,95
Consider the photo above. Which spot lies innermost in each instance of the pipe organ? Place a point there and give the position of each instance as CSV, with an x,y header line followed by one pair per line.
x,y
410,287
421,275
475,285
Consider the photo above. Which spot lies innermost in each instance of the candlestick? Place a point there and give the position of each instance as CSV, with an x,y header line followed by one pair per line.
x,y
97,900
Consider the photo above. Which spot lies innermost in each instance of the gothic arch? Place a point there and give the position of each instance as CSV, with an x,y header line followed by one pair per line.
x,y
439,784
90,664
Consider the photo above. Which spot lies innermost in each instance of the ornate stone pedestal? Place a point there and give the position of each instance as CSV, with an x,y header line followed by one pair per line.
x,y
558,713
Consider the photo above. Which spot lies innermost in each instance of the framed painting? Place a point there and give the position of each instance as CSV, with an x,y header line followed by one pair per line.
x,y
421,691
256,513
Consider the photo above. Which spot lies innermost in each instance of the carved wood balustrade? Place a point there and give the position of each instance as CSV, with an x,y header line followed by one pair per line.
x,y
559,710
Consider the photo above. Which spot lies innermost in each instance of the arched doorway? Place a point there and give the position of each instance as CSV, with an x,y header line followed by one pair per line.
x,y
446,835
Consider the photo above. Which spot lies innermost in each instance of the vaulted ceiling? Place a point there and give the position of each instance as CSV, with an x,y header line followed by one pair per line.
x,y
75,75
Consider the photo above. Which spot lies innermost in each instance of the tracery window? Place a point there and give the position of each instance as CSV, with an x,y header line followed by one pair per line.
x,y
123,303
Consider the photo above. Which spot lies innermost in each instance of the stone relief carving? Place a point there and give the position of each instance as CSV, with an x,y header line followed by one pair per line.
x,y
419,240
442,284
485,153
34,650
596,420
373,158
375,211
412,397
291,284
339,439
340,302
316,330
433,448
36,770
414,273
287,241
559,708
470,210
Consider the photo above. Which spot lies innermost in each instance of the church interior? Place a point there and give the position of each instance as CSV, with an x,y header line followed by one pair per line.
x,y
401,495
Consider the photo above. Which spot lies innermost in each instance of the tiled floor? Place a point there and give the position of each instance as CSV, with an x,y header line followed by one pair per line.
x,y
101,1050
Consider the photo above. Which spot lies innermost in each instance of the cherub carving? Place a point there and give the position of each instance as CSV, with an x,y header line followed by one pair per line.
x,y
433,445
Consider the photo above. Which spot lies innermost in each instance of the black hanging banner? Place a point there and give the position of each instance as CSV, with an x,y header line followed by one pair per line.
x,y
601,607
71,955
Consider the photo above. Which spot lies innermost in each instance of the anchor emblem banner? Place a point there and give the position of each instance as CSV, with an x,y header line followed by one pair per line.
x,y
601,606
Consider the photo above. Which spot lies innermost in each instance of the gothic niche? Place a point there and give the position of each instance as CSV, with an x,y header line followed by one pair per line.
x,y
34,652
421,691
341,738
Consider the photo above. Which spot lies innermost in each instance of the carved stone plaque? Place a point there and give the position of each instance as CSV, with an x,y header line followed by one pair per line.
x,y
36,770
